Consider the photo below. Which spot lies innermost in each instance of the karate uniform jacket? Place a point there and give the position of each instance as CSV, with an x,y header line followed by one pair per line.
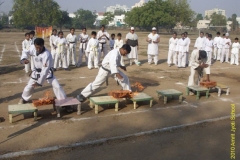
x,y
182,46
173,44
83,39
26,45
71,39
208,45
92,46
225,45
200,43
235,48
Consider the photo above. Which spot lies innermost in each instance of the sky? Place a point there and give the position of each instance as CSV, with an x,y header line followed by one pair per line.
x,y
199,6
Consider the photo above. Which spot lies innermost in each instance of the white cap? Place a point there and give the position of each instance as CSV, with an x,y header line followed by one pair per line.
x,y
132,28
227,34
154,28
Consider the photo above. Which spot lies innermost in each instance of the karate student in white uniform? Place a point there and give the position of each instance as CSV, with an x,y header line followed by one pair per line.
x,y
220,47
32,38
83,39
112,41
198,62
153,39
117,45
52,39
132,40
41,72
226,47
181,51
93,51
200,42
172,54
61,52
209,48
25,47
235,52
215,43
188,46
103,38
110,65
71,53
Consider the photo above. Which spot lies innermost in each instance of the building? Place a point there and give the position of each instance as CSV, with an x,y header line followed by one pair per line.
x,y
99,18
117,21
203,24
118,8
71,15
229,27
208,13
139,4
238,20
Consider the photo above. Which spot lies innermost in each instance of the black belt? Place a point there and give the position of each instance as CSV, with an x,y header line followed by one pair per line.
x,y
71,42
102,46
105,69
40,70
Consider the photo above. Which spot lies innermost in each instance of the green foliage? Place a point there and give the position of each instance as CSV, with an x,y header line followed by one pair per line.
x,y
35,12
84,18
160,13
218,20
65,20
196,19
119,12
235,24
108,17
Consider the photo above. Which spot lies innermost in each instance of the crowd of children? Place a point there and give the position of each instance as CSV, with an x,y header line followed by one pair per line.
x,y
218,49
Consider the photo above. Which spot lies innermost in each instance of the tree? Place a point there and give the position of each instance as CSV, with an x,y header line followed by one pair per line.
x,y
108,17
234,24
218,20
160,13
65,20
35,12
195,20
84,18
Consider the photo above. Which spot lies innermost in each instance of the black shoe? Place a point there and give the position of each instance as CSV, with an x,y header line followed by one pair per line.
x,y
54,69
66,69
81,98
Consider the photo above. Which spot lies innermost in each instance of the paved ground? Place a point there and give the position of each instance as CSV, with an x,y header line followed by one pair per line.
x,y
48,131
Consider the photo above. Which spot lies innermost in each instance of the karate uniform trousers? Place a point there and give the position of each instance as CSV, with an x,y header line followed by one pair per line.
x,y
71,54
234,58
101,78
82,51
191,79
182,59
103,48
215,52
172,57
53,52
225,55
93,59
61,58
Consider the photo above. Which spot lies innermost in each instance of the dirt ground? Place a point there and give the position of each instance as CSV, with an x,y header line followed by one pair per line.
x,y
25,134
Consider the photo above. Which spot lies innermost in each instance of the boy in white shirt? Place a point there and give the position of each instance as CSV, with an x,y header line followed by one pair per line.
x,y
72,41
235,52
226,47
182,48
215,42
208,48
118,44
220,47
25,47
112,41
200,42
52,39
172,54
61,54
93,51
83,38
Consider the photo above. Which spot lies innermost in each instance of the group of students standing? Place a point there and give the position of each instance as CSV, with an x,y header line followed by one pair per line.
x,y
218,49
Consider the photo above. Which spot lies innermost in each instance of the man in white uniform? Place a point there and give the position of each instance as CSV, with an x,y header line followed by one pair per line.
x,y
226,47
198,62
132,40
200,42
103,38
172,54
52,40
93,51
153,39
235,52
188,46
41,72
209,47
72,41
220,47
83,39
182,50
215,43
25,47
110,65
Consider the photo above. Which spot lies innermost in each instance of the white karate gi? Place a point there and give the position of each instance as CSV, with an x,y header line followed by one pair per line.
x,y
32,61
226,48
172,53
235,53
103,47
215,42
52,39
25,47
110,65
71,52
220,48
111,43
93,51
187,53
83,38
153,48
182,50
133,55
41,72
61,53
117,45
208,49
200,43
194,63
